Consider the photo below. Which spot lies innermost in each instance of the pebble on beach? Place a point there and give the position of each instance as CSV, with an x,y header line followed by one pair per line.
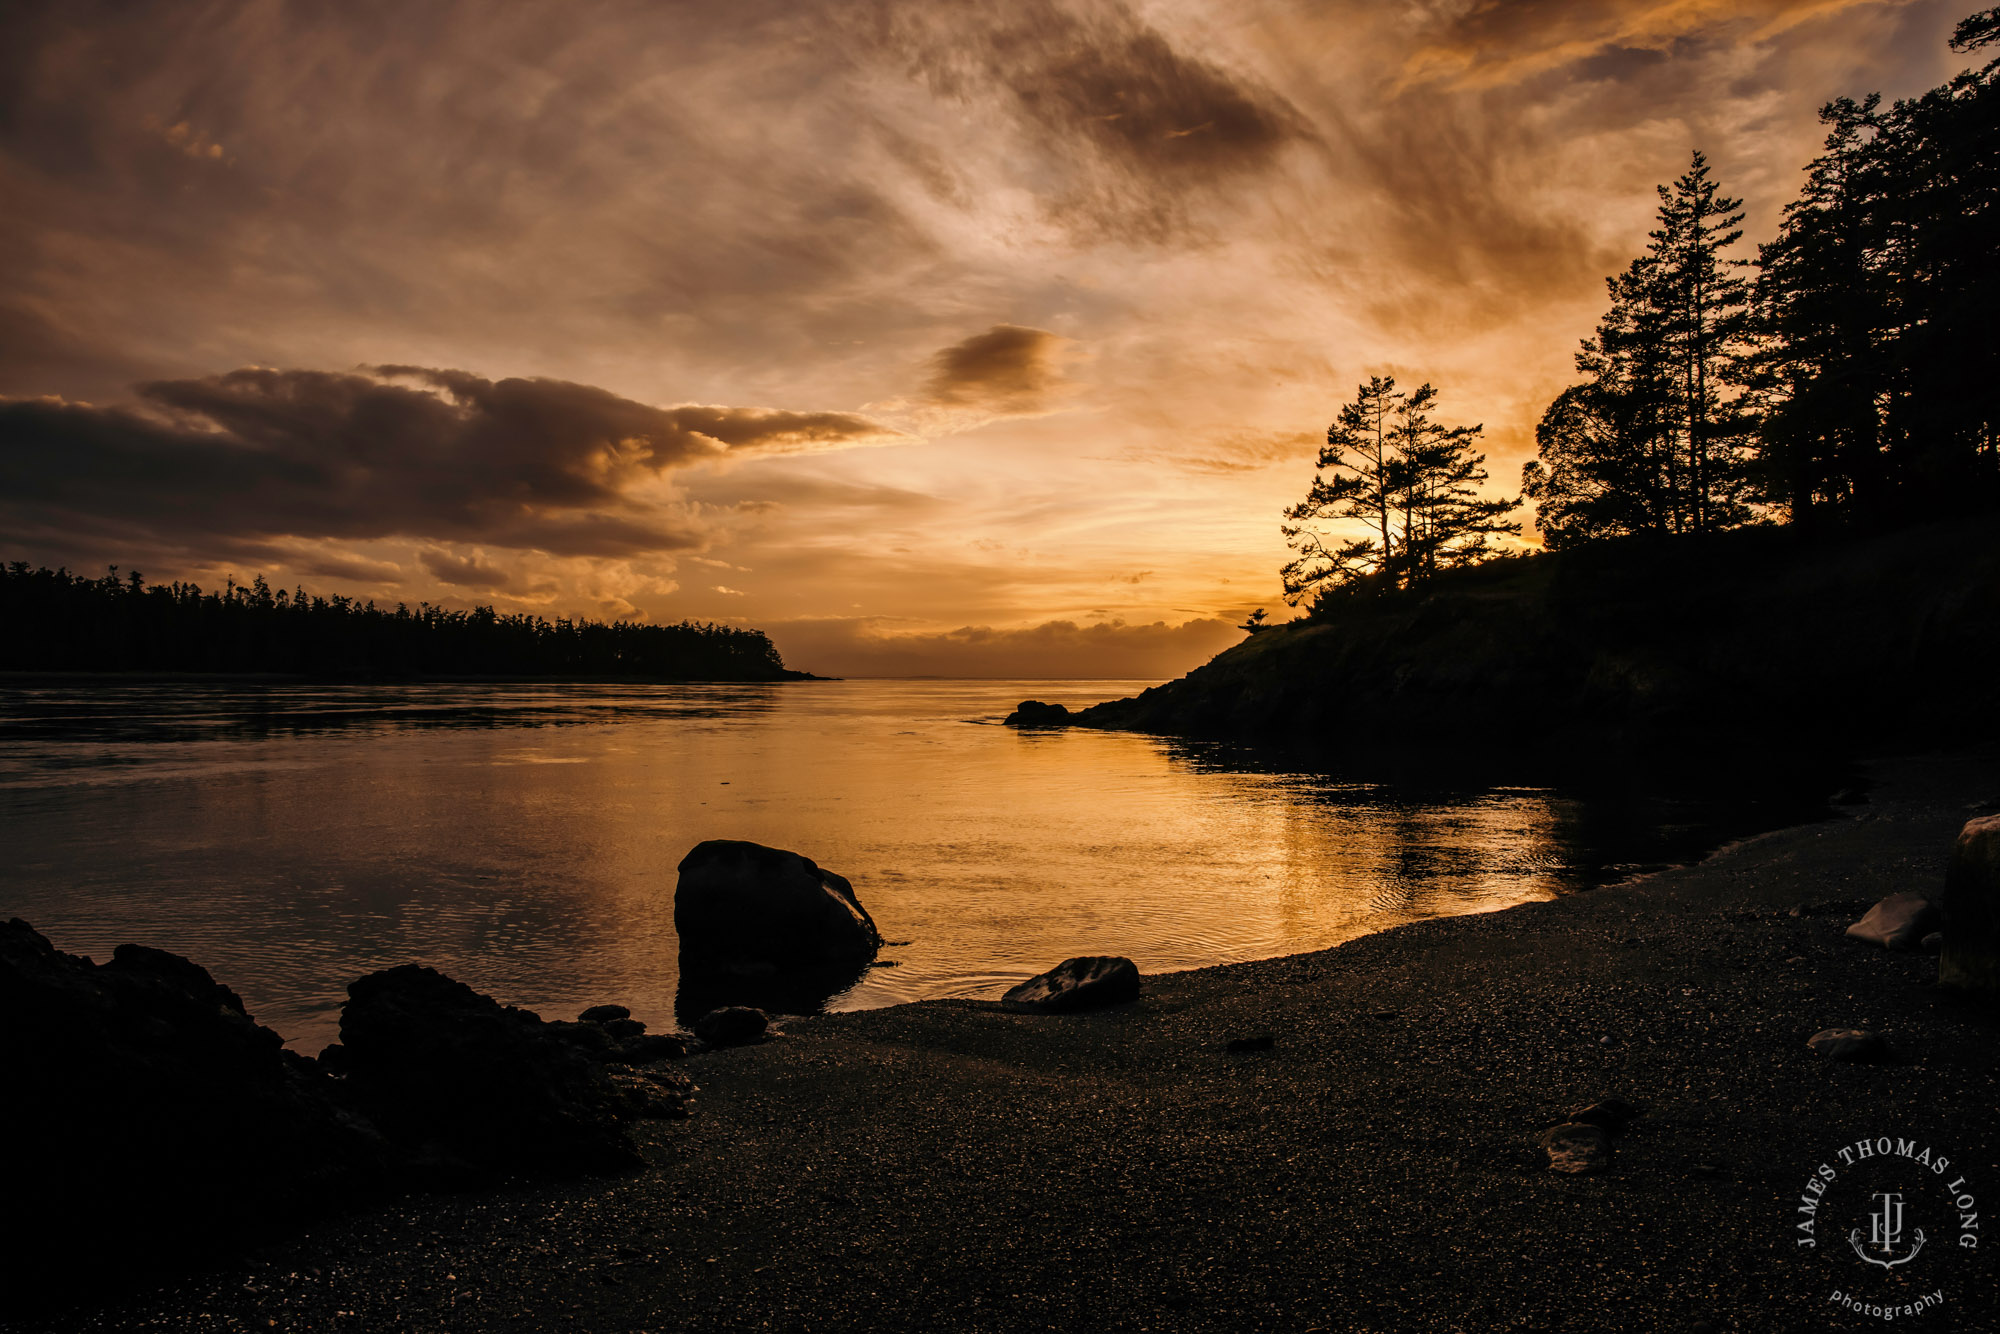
x,y
1857,1046
1577,1147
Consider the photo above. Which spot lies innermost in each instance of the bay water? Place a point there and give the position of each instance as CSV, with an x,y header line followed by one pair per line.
x,y
524,837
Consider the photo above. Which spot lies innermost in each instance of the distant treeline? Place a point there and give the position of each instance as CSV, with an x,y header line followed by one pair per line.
x,y
62,622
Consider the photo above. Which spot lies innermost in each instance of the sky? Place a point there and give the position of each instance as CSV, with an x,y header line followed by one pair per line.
x,y
932,338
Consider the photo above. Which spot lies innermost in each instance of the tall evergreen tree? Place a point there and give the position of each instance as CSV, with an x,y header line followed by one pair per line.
x,y
1412,481
1877,351
1703,302
1652,441
1446,523
1355,478
1823,321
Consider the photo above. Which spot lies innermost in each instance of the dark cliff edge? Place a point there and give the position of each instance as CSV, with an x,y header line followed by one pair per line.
x,y
1755,639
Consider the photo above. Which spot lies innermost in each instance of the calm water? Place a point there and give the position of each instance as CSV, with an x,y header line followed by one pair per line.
x,y
524,838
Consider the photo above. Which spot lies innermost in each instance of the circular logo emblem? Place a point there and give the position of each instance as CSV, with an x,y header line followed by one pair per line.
x,y
1884,1218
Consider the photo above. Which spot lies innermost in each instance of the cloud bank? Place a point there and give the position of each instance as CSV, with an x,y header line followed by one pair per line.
x,y
393,451
1058,648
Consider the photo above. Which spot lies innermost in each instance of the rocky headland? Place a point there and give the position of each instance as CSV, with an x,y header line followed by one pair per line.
x,y
1757,639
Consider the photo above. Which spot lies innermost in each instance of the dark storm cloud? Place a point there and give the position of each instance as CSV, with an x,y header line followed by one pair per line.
x,y
1007,369
396,451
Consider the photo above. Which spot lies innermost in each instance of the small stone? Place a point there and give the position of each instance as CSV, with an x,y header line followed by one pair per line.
x,y
731,1026
1077,984
597,1014
1857,1046
1897,922
1933,943
1577,1148
1255,1042
1705,1170
1849,796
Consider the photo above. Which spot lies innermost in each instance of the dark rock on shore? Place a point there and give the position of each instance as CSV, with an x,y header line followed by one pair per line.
x,y
1034,713
1577,1147
147,1116
1899,922
1856,1046
762,926
1971,910
597,1014
1077,984
470,1084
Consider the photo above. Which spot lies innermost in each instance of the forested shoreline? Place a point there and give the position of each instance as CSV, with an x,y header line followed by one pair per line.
x,y
1842,381
63,622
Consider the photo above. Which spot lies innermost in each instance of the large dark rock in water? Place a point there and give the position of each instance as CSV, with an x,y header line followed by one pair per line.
x,y
147,1117
763,927
1035,713
467,1083
1971,957
1077,984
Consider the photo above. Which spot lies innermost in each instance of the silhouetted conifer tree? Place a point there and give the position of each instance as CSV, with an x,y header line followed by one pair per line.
x,y
1411,480
1877,345
1651,441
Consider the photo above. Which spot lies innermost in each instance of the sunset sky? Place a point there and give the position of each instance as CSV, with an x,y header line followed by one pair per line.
x,y
941,338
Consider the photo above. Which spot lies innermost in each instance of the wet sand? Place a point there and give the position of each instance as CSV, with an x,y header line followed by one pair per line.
x,y
947,1165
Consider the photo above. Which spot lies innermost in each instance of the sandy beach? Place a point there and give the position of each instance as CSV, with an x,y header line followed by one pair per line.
x,y
949,1165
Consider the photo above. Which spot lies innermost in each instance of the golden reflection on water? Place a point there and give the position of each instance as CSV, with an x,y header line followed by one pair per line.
x,y
524,839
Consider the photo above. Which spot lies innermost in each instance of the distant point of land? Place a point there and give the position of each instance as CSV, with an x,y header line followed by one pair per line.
x,y
63,624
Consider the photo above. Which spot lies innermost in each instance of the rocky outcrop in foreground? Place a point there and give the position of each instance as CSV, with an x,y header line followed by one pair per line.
x,y
149,1119
145,1111
466,1083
